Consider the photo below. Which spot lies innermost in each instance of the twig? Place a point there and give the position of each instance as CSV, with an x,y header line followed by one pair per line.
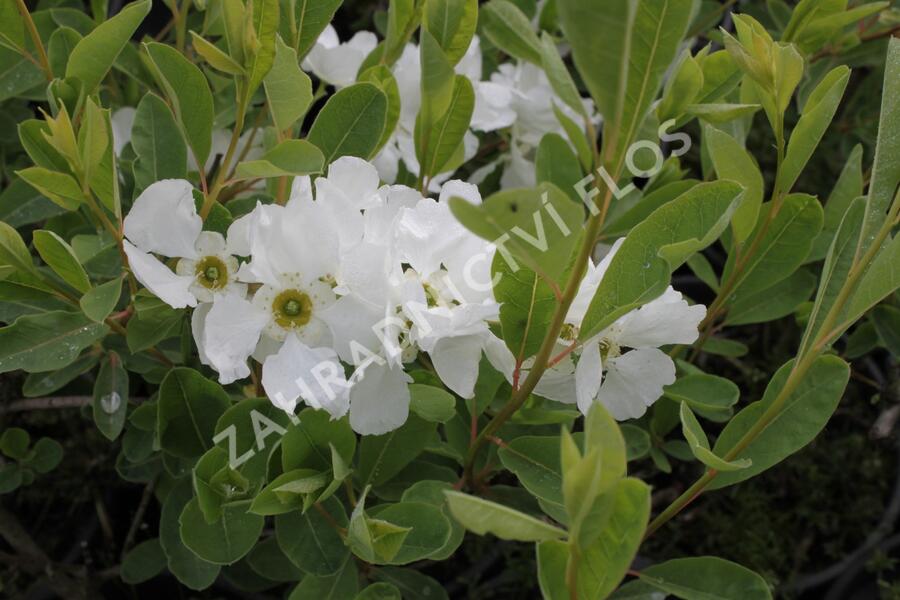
x,y
138,517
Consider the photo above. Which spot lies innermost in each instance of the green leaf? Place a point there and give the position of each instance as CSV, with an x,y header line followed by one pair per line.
x,y
110,404
382,76
534,225
526,307
59,187
60,47
880,280
46,455
21,204
216,58
157,142
658,246
508,28
681,89
60,257
383,456
268,560
342,585
559,76
429,529
14,443
431,403
483,516
379,591
188,91
887,323
14,253
774,302
312,18
719,113
33,134
227,540
814,121
733,162
44,384
98,302
838,262
289,158
188,568
556,163
306,443
452,23
46,342
799,421
311,541
448,132
350,123
412,583
97,51
706,578
711,396
250,425
288,89
189,406
849,186
886,170
262,49
143,562
535,460
288,492
785,244
699,444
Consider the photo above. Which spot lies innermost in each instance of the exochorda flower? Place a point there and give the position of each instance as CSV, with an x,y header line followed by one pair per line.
x,y
164,221
337,62
622,367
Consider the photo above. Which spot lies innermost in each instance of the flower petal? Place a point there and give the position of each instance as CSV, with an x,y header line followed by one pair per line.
x,y
164,219
298,371
379,400
456,362
231,333
588,375
635,381
159,279
668,319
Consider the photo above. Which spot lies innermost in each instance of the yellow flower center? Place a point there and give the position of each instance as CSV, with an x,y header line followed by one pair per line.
x,y
292,308
212,273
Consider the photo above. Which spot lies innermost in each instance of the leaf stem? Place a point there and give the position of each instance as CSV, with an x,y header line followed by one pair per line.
x,y
36,39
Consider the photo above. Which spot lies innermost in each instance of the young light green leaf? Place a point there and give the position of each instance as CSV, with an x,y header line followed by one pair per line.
x,y
288,89
657,247
681,89
800,420
97,51
483,516
719,113
46,342
289,158
261,52
350,123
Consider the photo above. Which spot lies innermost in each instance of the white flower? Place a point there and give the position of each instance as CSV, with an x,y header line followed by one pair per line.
x,y
447,294
122,121
622,366
164,221
338,63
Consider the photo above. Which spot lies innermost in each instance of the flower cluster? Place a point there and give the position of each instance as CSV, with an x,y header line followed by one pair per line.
x,y
334,292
